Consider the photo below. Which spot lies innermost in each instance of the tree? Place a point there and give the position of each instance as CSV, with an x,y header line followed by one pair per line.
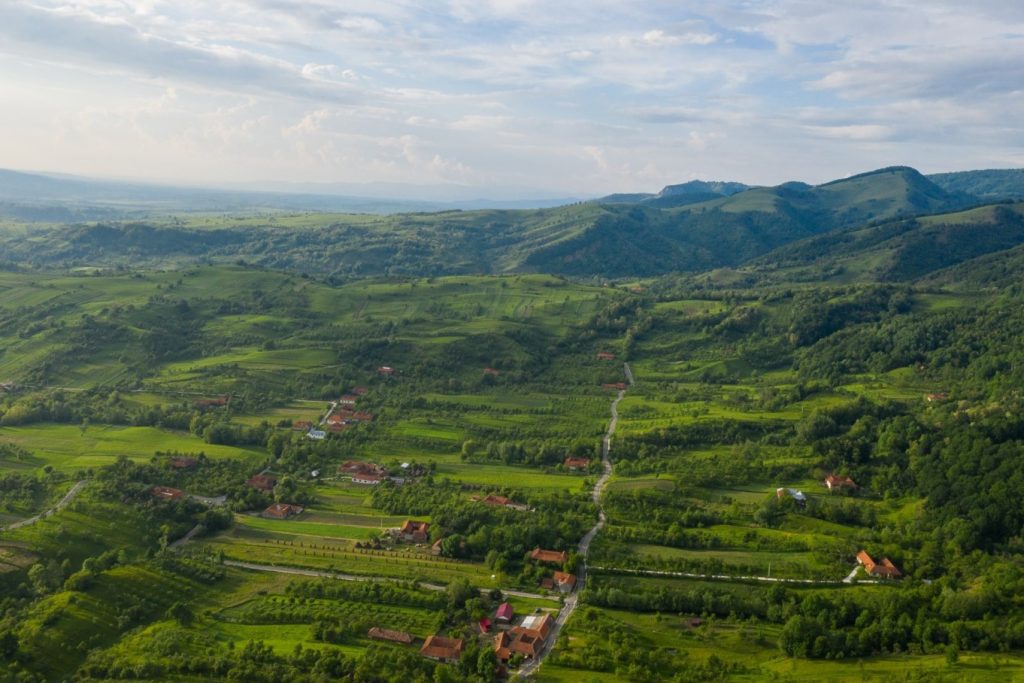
x,y
182,614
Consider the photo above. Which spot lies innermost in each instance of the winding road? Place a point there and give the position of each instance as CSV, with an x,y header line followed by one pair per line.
x,y
63,503
569,606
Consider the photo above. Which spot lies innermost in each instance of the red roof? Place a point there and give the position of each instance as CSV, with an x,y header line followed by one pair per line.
x,y
393,636
552,556
577,463
832,481
505,612
167,493
485,625
359,391
565,579
183,463
282,510
440,647
496,501
605,355
616,385
492,372
386,370
349,399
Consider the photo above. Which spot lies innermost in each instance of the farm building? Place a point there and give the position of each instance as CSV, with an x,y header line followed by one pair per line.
x,y
834,482
211,402
262,482
302,425
795,494
549,556
415,532
402,637
282,511
576,464
615,385
496,501
605,355
316,434
883,569
182,463
368,479
442,649
505,613
565,581
385,370
167,493
348,400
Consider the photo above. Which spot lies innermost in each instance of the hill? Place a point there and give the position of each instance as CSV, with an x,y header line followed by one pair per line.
x,y
900,250
992,185
583,239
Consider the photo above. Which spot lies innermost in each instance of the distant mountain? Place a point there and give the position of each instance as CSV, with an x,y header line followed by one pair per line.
x,y
44,197
690,192
991,185
583,239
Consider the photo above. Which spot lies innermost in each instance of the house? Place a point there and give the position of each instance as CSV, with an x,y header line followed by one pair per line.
x,y
605,355
302,425
282,511
496,501
549,556
505,613
442,649
348,400
415,532
932,398
485,625
616,385
316,434
359,391
492,372
167,493
834,482
182,463
547,583
528,639
798,496
385,370
883,569
262,482
576,464
368,479
335,418
402,637
565,581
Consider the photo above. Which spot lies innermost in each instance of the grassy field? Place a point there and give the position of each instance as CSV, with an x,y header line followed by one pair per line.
x,y
70,448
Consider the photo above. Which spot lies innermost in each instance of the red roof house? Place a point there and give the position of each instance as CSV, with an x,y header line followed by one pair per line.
x,y
183,463
576,464
391,636
834,482
167,493
348,400
386,370
442,649
565,581
884,569
605,355
505,613
282,511
417,532
549,556
496,501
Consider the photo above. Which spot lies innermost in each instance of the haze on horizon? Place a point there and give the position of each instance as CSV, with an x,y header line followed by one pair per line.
x,y
584,97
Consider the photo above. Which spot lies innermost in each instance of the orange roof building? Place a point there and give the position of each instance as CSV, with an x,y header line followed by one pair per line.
x,y
576,464
883,569
282,511
549,556
442,649
417,532
834,482
565,581
167,493
262,482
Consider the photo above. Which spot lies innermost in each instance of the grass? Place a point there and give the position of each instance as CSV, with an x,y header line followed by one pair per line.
x,y
68,448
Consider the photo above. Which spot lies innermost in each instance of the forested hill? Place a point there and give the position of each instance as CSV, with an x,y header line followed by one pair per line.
x,y
583,239
903,250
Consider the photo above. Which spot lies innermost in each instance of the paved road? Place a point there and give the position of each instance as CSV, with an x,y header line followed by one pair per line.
x,y
355,577
569,606
63,503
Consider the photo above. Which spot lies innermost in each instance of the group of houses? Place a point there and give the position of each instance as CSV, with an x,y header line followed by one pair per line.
x,y
528,639
561,581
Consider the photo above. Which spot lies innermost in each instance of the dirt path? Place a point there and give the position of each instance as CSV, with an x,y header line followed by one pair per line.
x,y
298,571
569,606
63,503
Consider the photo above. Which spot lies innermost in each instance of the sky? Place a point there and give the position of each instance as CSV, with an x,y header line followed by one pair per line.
x,y
562,97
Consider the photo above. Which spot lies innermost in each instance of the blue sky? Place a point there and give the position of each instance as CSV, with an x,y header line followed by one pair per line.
x,y
509,96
